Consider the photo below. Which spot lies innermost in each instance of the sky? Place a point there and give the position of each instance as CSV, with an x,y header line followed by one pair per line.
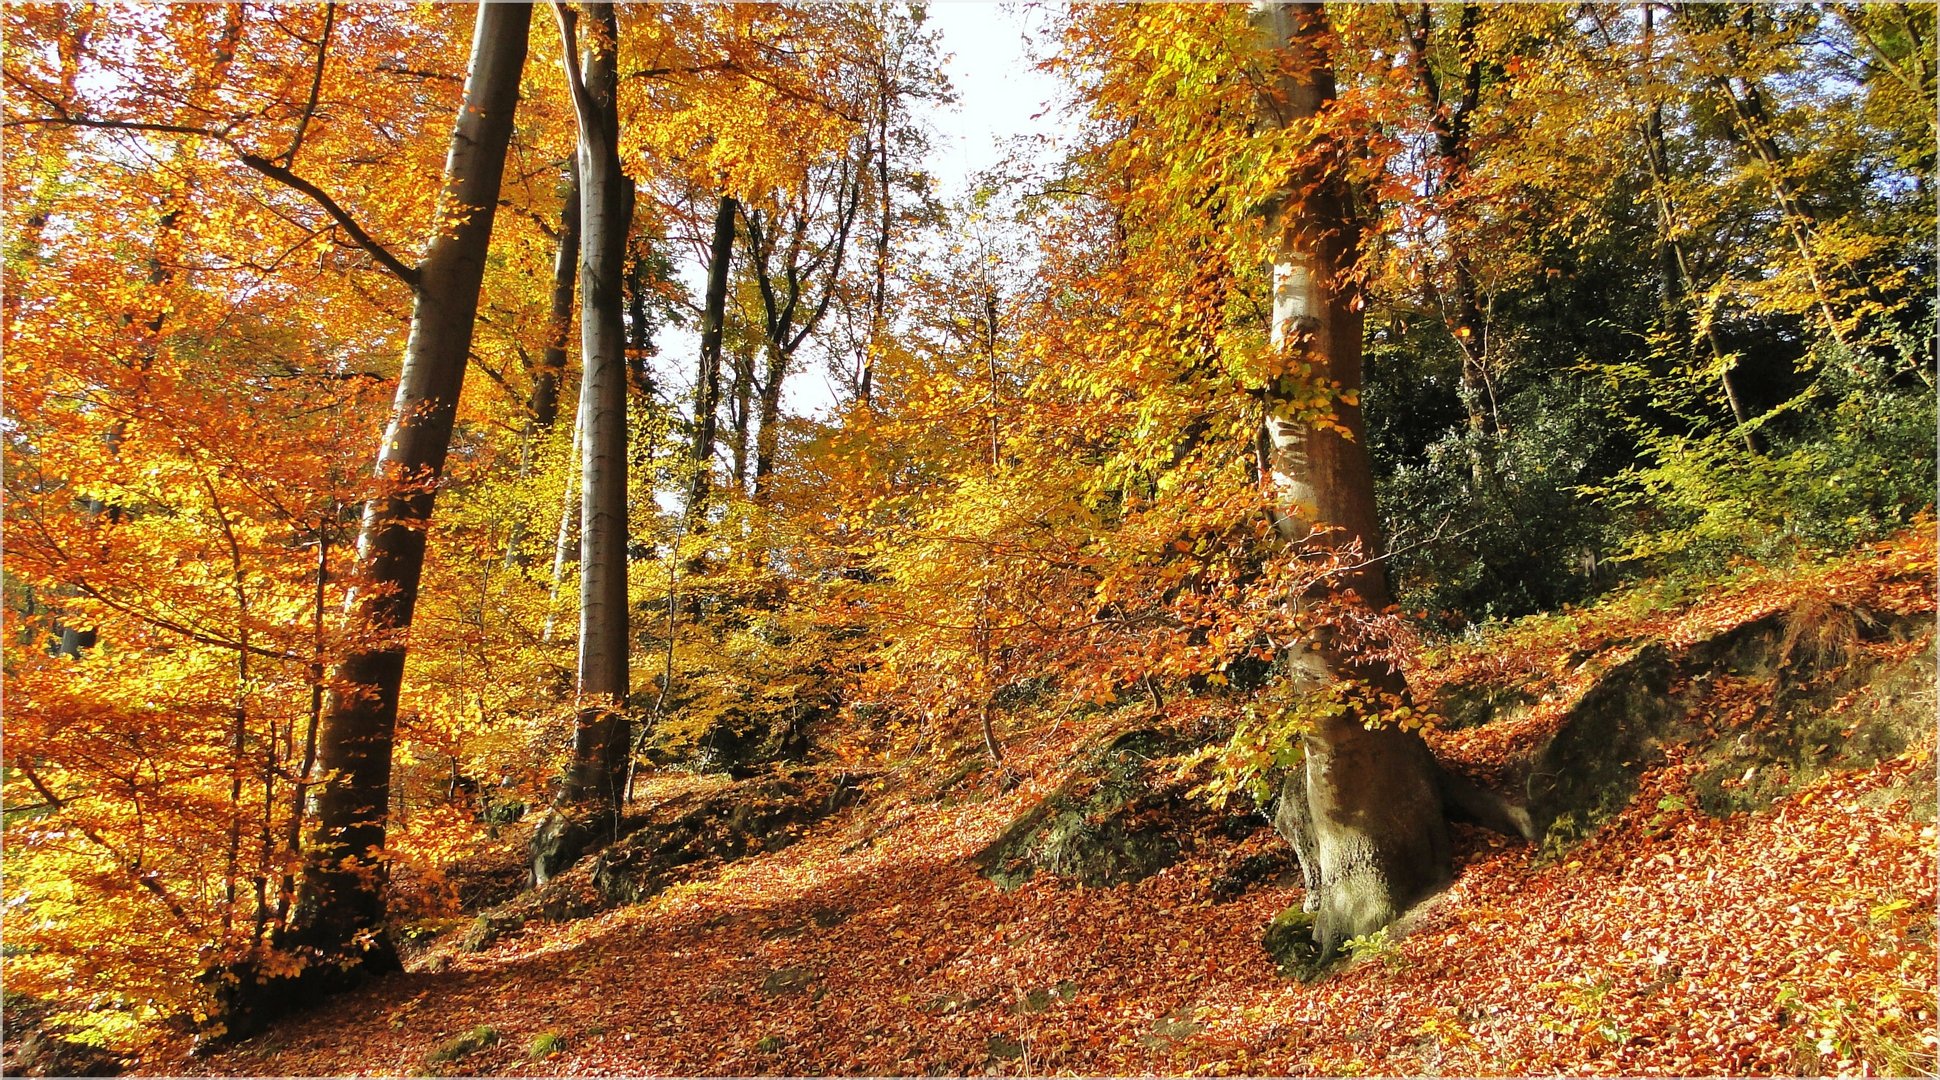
x,y
999,92
988,55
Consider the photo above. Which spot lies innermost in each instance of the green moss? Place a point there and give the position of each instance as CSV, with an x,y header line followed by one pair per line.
x,y
470,1042
544,1045
1289,939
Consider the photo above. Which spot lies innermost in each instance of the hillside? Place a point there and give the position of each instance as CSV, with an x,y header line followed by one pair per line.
x,y
1794,935
598,538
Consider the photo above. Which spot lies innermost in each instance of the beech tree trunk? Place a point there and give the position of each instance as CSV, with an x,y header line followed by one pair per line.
x,y
767,439
341,911
600,738
1366,811
544,402
707,380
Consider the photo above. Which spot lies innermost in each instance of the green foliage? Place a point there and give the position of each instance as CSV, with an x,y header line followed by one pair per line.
x,y
1856,464
544,1045
1497,526
1377,946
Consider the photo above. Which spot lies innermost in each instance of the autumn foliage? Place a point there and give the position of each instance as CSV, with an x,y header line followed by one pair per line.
x,y
1648,305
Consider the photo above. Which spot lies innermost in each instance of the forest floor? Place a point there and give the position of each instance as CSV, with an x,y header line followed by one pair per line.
x,y
1797,938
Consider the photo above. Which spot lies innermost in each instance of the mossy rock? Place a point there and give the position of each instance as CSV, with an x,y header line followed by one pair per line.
x,y
1003,1048
1467,706
557,843
788,980
464,1045
1234,881
488,930
1104,826
1855,719
750,817
1827,703
1289,940
1589,770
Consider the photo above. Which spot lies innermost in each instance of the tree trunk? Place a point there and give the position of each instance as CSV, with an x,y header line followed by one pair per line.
x,y
544,403
599,741
1379,839
343,903
707,380
767,440
741,409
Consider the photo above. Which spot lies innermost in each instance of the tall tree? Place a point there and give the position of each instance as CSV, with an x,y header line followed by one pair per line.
x,y
342,902
596,773
707,379
796,252
1365,811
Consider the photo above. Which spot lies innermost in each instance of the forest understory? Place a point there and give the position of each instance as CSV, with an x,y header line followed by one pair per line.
x,y
1710,922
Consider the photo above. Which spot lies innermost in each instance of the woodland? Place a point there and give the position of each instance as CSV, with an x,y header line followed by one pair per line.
x,y
1392,538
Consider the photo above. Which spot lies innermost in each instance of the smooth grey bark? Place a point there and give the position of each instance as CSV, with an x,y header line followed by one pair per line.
x,y
1373,836
341,908
599,739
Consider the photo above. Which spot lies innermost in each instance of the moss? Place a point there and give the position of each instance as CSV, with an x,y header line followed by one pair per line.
x,y
544,1045
1095,828
1289,939
1862,716
470,1042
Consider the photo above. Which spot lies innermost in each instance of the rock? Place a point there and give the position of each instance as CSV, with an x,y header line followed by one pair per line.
x,y
1233,882
557,843
1104,826
1289,939
1589,769
788,980
486,930
1003,1048
468,1043
1035,1001
750,817
1824,703
1172,1028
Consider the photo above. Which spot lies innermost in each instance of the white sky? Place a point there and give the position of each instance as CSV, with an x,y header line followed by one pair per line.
x,y
988,48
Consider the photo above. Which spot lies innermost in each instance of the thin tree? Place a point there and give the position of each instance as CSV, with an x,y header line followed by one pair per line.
x,y
707,380
797,279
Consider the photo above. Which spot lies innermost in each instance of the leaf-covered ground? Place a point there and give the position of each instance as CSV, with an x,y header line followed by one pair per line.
x,y
1798,939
